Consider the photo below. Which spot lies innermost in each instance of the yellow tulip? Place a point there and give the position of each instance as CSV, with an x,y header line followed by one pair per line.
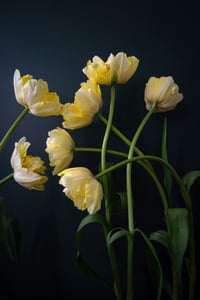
x,y
28,170
163,93
87,102
74,118
117,69
60,147
34,95
82,188
88,98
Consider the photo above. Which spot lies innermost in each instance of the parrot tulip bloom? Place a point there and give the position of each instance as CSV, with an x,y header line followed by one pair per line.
x,y
34,95
88,98
28,169
117,69
163,93
82,188
87,102
74,118
60,147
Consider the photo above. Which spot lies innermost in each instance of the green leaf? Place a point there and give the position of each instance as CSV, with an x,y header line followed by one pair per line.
x,y
118,203
178,237
84,266
160,237
115,234
167,173
156,268
189,178
110,174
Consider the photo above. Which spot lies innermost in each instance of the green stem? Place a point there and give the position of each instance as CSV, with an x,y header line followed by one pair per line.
x,y
114,129
85,149
123,137
137,160
186,198
177,178
12,128
104,150
10,176
111,252
130,205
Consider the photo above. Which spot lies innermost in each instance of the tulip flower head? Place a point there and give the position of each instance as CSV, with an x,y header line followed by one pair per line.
x,y
163,93
28,169
34,94
87,102
117,69
88,98
60,147
82,188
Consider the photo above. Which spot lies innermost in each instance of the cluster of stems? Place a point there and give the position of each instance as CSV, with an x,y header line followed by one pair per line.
x,y
134,155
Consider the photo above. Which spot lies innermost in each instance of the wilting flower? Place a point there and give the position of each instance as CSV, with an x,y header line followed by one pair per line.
x,y
60,147
163,93
28,169
117,69
34,94
82,188
87,102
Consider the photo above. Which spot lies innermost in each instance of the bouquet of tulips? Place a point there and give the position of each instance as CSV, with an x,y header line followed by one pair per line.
x,y
94,192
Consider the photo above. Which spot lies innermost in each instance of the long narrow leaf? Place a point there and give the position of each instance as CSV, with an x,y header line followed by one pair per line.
x,y
178,237
160,237
190,177
118,203
84,266
116,234
158,269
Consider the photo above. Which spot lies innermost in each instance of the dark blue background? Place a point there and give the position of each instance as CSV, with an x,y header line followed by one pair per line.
x,y
53,40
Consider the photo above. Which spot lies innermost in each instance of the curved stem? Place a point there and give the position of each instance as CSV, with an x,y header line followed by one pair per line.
x,y
104,150
153,158
85,149
12,128
10,176
123,137
130,205
115,130
186,198
111,252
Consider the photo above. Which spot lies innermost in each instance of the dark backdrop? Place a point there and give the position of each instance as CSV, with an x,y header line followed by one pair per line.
x,y
53,40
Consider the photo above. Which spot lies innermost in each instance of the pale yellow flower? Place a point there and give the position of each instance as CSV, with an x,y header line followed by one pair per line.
x,y
34,94
87,102
163,93
60,147
118,68
88,98
28,170
74,118
82,188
